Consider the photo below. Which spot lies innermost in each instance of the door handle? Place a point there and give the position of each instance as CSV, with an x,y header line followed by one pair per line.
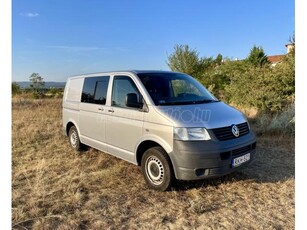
x,y
101,109
111,110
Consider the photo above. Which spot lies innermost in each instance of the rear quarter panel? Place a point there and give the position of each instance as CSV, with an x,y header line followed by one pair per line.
x,y
71,101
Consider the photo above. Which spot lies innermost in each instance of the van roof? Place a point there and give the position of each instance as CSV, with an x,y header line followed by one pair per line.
x,y
122,71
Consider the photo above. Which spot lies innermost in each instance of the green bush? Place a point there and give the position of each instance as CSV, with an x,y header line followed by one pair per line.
x,y
252,82
54,92
15,88
266,88
37,95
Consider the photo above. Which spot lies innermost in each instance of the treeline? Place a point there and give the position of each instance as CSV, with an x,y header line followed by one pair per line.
x,y
252,82
31,94
37,89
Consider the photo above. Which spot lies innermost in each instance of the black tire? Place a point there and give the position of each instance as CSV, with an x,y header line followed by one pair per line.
x,y
74,139
157,169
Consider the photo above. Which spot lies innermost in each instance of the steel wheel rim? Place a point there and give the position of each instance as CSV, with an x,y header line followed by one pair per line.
x,y
154,170
73,138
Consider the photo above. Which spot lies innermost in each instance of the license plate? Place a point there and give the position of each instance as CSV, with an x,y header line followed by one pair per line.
x,y
240,160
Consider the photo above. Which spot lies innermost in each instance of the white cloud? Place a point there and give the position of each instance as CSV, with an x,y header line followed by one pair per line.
x,y
30,15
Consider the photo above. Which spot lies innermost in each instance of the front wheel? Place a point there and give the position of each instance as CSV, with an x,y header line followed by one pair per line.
x,y
157,169
74,139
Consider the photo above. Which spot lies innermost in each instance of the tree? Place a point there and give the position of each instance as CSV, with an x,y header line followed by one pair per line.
x,y
15,88
257,57
292,39
219,59
187,60
37,82
292,42
37,85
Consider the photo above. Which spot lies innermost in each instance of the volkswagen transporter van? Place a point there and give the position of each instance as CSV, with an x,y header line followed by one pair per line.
x,y
165,122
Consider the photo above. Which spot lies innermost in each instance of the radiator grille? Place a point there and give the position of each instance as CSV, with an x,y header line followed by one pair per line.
x,y
225,133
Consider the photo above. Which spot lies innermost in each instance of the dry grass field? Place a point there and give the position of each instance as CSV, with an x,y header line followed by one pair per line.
x,y
53,187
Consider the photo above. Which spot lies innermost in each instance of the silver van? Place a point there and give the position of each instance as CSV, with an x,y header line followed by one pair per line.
x,y
165,122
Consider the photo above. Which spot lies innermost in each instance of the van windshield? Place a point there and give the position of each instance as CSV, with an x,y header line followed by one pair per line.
x,y
175,89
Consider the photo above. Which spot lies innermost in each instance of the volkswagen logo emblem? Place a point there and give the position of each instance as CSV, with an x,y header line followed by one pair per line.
x,y
235,131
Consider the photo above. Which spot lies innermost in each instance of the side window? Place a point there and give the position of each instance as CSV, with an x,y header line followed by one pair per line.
x,y
122,85
100,95
95,90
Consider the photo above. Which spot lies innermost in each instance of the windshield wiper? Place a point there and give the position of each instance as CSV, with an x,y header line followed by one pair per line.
x,y
188,102
205,101
175,103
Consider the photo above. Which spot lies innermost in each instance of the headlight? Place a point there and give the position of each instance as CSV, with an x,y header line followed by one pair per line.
x,y
191,134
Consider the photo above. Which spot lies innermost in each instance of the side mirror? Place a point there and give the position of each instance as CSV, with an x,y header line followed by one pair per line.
x,y
132,101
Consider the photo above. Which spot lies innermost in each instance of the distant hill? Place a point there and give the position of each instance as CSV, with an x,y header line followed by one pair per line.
x,y
48,84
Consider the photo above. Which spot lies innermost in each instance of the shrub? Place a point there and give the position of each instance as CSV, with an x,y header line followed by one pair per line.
x,y
250,83
15,88
37,95
284,122
266,88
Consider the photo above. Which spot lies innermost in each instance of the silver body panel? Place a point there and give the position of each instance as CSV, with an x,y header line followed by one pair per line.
x,y
208,115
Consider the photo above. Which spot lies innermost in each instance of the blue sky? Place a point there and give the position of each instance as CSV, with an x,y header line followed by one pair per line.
x,y
59,39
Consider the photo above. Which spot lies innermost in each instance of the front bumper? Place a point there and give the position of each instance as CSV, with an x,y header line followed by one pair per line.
x,y
194,160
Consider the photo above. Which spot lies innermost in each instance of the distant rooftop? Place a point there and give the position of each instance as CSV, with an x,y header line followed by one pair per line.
x,y
276,58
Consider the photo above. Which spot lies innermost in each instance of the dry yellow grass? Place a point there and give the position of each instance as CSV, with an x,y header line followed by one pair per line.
x,y
53,187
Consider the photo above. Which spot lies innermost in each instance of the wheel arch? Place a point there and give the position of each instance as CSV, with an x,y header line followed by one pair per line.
x,y
69,125
147,144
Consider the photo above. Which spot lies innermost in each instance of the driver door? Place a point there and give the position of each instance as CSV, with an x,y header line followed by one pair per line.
x,y
124,124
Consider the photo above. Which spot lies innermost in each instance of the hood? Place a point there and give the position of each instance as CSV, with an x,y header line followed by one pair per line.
x,y
208,115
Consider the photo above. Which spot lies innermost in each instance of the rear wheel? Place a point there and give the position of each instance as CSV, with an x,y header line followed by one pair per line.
x,y
74,139
157,169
